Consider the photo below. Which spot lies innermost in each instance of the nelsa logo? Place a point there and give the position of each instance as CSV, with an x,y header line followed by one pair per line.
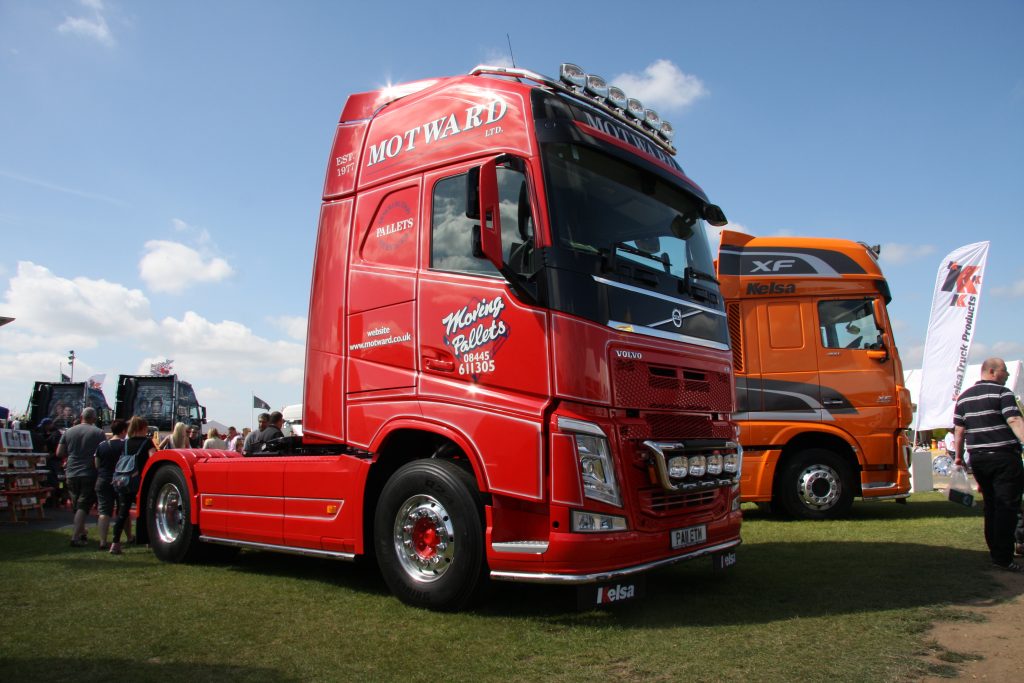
x,y
962,281
609,594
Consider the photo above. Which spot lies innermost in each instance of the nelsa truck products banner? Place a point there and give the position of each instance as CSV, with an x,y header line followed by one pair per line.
x,y
951,326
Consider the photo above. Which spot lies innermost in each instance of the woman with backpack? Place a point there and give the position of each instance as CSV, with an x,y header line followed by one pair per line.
x,y
137,450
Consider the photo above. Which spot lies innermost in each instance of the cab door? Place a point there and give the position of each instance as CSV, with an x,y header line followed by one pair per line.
x,y
857,381
482,351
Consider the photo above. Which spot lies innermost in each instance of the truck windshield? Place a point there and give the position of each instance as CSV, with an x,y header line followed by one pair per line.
x,y
603,206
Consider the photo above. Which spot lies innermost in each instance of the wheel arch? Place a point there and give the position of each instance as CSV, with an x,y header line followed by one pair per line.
x,y
830,441
183,460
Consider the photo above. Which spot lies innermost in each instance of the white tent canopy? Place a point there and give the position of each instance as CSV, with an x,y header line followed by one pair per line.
x,y
1015,382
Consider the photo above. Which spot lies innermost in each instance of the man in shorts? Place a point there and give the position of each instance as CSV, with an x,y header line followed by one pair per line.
x,y
78,444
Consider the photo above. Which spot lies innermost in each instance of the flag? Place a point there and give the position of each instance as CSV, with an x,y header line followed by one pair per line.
x,y
96,381
161,368
951,326
259,403
64,378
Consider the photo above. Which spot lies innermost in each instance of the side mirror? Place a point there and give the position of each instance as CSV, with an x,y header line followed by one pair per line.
x,y
714,215
490,213
204,413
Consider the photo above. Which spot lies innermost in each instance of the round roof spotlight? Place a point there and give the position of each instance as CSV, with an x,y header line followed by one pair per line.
x,y
668,131
617,97
635,108
573,75
597,86
652,119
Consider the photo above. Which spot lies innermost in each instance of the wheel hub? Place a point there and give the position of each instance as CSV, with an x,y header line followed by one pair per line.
x,y
424,538
168,514
819,487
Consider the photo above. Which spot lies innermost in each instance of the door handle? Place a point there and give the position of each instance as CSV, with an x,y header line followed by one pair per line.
x,y
439,365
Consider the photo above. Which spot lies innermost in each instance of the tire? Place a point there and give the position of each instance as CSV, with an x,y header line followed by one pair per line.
x,y
172,535
428,535
815,484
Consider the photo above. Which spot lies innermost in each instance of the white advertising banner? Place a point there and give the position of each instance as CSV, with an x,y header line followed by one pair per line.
x,y
951,327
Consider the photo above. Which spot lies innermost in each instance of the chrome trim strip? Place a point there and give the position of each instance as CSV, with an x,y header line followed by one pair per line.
x,y
658,295
310,552
574,579
524,547
568,424
878,485
671,336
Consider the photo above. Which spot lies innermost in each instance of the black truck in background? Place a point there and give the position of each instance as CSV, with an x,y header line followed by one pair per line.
x,y
63,402
162,400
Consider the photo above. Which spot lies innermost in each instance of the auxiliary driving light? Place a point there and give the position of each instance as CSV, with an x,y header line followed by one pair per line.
x,y
652,119
698,466
731,463
617,97
678,466
714,465
574,75
635,108
597,86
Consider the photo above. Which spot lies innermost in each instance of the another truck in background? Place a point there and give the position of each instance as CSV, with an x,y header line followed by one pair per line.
x,y
162,399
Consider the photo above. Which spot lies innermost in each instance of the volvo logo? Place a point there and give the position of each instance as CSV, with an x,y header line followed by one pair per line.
x,y
634,355
677,317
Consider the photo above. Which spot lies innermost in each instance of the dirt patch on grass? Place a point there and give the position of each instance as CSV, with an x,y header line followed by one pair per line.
x,y
984,645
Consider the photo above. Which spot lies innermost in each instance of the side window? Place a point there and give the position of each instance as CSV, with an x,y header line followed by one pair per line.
x,y
451,243
848,324
451,233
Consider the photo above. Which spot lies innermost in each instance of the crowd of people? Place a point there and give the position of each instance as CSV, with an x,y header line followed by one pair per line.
x,y
87,459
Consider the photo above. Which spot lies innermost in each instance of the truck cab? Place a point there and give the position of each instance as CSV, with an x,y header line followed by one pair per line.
x,y
163,400
820,398
517,360
63,403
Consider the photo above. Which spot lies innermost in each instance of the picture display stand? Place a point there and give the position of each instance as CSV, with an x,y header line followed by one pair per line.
x,y
22,475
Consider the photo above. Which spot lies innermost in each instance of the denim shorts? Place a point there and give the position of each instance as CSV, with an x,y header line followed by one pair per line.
x,y
105,497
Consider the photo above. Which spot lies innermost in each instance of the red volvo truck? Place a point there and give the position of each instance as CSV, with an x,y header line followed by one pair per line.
x,y
517,361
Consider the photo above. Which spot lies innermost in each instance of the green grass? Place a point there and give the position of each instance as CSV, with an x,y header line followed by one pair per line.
x,y
808,601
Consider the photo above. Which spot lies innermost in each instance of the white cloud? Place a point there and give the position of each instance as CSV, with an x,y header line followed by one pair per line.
x,y
715,235
292,325
1014,290
497,57
662,84
173,267
894,253
94,27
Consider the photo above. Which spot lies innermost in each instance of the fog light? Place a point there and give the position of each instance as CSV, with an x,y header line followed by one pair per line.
x,y
714,465
698,466
594,523
678,467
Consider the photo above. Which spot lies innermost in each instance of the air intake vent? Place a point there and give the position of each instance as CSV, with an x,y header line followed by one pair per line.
x,y
736,336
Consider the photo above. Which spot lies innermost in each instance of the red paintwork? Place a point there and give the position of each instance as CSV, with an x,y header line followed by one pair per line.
x,y
382,360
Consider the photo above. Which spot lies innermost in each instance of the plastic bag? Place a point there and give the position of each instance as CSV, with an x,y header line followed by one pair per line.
x,y
960,491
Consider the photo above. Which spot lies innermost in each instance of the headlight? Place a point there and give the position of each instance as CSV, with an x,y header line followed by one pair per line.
x,y
597,471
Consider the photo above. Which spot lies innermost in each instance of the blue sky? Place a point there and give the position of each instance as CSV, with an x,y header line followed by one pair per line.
x,y
161,163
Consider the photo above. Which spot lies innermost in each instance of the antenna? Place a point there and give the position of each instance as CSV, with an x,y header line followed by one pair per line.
x,y
510,50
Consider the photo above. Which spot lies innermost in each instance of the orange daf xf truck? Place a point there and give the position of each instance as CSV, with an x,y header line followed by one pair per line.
x,y
820,398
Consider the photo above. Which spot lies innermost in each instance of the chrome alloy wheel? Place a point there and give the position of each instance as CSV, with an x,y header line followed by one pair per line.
x,y
424,538
168,513
819,487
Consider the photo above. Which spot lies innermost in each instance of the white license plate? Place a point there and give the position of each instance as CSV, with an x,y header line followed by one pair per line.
x,y
691,535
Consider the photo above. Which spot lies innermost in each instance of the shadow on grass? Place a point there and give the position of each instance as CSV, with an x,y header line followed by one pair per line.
x,y
81,670
882,510
780,581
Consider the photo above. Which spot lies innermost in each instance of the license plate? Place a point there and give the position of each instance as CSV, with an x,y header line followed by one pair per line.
x,y
691,535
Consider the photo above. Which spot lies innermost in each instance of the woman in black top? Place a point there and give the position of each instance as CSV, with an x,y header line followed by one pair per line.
x,y
106,458
140,444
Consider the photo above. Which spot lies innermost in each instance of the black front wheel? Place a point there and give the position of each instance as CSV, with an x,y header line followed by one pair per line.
x,y
815,484
172,535
428,533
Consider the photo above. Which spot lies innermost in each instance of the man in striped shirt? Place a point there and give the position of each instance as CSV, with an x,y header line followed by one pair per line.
x,y
988,419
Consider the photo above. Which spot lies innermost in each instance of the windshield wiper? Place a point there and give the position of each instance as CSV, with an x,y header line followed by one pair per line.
x,y
700,275
622,246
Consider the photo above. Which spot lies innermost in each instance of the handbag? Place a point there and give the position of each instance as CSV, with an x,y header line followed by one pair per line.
x,y
959,490
124,470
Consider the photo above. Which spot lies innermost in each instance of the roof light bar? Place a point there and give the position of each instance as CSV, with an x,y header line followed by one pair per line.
x,y
574,81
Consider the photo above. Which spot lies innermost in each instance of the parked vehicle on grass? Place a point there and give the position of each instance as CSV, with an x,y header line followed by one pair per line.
x,y
517,364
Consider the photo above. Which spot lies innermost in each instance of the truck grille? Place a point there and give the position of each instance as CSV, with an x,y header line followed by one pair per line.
x,y
657,502
647,385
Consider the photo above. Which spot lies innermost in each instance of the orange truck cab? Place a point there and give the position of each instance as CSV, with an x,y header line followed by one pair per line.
x,y
820,398
517,359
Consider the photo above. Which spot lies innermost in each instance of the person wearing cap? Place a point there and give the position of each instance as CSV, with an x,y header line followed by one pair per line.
x,y
250,441
78,444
